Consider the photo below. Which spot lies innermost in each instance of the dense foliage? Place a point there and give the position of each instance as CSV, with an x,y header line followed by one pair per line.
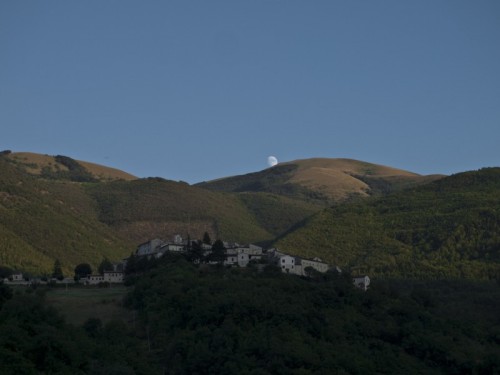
x,y
213,320
240,321
449,228
34,339
82,270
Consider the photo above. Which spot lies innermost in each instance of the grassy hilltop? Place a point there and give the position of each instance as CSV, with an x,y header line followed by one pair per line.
x,y
322,180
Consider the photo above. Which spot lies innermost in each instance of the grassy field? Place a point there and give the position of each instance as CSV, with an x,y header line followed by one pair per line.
x,y
79,304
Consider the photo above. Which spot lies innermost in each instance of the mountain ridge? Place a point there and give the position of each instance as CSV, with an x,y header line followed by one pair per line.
x,y
40,164
322,179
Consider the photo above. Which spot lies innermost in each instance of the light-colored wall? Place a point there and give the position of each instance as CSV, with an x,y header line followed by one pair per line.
x,y
362,282
113,277
243,259
95,279
318,266
287,264
231,259
251,249
149,247
175,247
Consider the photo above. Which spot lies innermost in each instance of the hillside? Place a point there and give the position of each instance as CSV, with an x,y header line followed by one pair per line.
x,y
70,215
43,220
322,180
214,320
56,167
154,207
406,225
448,228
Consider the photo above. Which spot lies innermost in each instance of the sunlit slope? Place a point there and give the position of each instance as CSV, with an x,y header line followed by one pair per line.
x,y
342,178
322,180
41,221
39,165
449,227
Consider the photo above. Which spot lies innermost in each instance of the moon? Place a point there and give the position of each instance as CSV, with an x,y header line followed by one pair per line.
x,y
272,161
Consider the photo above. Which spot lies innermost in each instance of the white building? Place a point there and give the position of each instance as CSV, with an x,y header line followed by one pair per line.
x,y
243,259
175,247
17,277
149,248
93,279
231,257
288,264
315,263
113,277
361,282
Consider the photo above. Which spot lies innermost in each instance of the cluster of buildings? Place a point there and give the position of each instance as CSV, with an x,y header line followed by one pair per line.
x,y
112,277
234,255
238,255
243,255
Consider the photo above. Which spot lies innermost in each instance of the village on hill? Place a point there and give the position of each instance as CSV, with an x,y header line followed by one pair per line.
x,y
218,252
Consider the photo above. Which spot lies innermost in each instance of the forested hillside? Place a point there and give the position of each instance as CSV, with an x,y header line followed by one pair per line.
x,y
190,319
449,228
207,319
35,339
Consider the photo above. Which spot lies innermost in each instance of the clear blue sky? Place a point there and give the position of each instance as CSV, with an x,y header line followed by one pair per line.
x,y
196,90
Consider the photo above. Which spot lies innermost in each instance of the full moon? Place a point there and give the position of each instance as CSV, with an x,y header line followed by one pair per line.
x,y
272,161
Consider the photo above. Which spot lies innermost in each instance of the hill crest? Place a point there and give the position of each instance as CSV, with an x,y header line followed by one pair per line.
x,y
38,164
322,179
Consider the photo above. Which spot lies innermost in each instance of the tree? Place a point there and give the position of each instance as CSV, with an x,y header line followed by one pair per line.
x,y
82,270
218,252
206,239
5,293
57,273
105,265
5,272
131,266
93,327
195,252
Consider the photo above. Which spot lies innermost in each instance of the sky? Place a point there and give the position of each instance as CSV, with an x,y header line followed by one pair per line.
x,y
197,90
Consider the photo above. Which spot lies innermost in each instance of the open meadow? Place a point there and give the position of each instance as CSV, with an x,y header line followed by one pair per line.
x,y
78,304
